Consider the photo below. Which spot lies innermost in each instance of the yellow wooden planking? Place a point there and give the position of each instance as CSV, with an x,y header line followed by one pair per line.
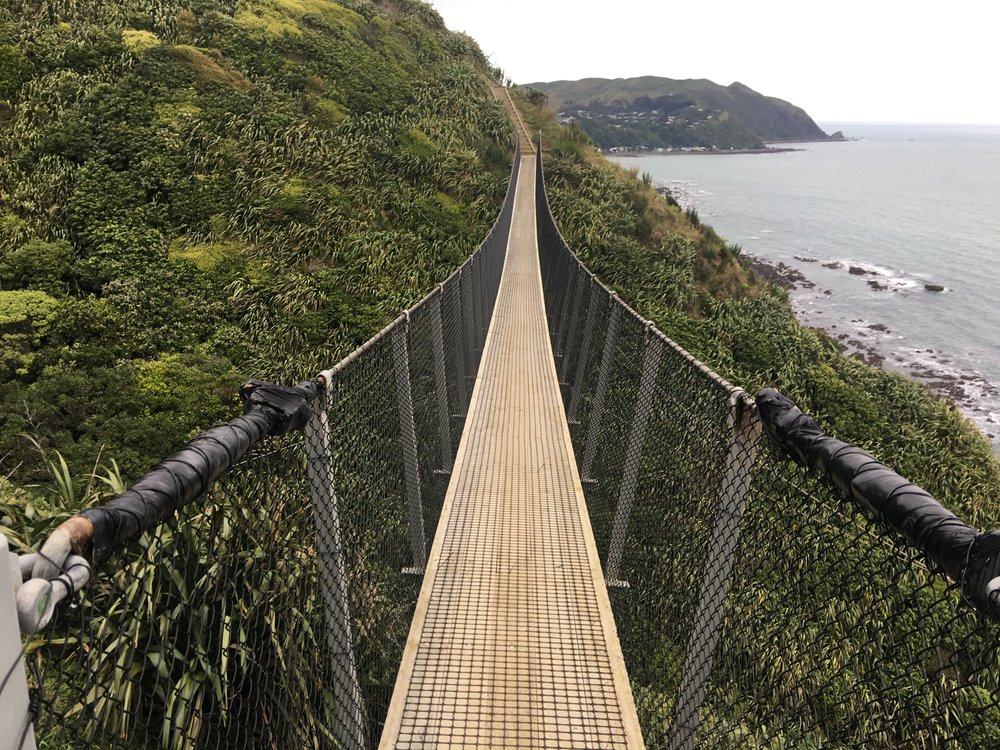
x,y
502,95
513,643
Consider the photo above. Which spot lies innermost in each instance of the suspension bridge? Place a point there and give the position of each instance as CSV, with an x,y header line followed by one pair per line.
x,y
520,516
513,643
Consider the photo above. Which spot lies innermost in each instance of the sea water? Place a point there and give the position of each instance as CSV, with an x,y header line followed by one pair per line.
x,y
904,206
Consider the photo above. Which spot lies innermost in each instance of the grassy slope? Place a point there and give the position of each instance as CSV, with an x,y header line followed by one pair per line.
x,y
217,190
693,286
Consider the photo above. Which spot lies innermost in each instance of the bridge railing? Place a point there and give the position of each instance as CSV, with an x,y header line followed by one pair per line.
x,y
256,589
768,593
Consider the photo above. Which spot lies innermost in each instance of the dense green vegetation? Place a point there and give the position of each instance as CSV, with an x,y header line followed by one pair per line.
x,y
693,285
652,112
197,192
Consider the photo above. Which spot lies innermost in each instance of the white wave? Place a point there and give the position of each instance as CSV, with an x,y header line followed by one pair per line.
x,y
897,280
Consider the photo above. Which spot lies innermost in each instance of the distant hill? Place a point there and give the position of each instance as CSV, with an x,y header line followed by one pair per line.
x,y
652,112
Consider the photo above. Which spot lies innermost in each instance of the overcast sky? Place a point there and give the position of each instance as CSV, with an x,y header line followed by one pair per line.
x,y
851,60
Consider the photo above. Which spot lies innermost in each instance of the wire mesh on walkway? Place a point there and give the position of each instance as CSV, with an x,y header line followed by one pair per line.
x,y
757,606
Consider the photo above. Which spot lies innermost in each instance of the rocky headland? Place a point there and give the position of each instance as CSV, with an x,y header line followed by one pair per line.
x,y
664,115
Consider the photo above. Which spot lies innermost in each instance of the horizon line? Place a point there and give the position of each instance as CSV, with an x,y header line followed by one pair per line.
x,y
836,121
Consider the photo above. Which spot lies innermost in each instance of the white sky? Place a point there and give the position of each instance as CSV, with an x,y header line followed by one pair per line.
x,y
851,60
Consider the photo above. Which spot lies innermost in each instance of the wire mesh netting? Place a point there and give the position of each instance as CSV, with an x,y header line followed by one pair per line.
x,y
205,627
839,634
273,610
757,606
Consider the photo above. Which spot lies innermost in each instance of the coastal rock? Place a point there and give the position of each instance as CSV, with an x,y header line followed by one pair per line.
x,y
933,287
870,356
664,191
880,327
876,286
857,271
805,259
781,274
834,264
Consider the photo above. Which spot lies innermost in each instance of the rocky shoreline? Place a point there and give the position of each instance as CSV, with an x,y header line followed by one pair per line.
x,y
872,341
780,273
869,342
702,152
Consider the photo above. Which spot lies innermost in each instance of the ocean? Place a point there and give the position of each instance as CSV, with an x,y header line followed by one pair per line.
x,y
869,223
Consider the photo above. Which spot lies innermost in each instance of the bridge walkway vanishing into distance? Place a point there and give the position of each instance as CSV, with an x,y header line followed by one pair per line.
x,y
519,516
513,643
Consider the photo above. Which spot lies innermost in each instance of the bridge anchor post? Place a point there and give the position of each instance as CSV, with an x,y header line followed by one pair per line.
x,y
715,581
559,342
584,358
468,318
597,409
408,443
476,267
441,383
458,353
349,708
583,279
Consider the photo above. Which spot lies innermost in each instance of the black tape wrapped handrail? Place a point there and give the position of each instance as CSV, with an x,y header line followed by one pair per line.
x,y
967,556
179,479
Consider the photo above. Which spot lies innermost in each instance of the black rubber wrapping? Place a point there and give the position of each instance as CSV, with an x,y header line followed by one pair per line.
x,y
968,556
186,475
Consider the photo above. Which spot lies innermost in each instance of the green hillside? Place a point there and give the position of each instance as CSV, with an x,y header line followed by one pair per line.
x,y
195,192
655,112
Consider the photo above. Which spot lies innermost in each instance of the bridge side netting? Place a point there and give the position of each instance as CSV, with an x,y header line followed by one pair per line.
x,y
758,605
272,609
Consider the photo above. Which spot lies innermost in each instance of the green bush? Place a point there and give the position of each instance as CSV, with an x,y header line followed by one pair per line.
x,y
258,188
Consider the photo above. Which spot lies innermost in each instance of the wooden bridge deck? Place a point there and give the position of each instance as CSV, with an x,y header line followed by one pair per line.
x,y
513,643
